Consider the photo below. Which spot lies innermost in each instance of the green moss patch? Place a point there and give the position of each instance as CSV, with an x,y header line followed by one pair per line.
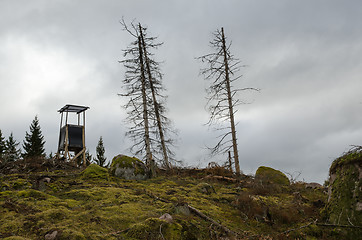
x,y
95,171
154,228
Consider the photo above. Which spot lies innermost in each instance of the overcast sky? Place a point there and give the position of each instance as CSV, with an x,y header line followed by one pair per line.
x,y
305,56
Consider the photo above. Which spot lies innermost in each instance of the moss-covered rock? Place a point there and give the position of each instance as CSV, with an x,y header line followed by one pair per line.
x,y
344,204
95,171
270,175
129,168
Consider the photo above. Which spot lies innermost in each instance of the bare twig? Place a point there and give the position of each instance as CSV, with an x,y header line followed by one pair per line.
x,y
301,227
161,231
119,232
337,225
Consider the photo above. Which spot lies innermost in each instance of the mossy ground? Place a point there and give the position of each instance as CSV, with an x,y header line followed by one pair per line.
x,y
111,208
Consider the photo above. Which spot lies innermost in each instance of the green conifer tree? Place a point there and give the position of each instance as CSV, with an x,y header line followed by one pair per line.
x,y
2,146
101,159
34,141
12,153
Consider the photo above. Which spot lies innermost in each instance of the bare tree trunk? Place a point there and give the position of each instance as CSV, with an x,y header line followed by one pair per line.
x,y
155,103
149,162
230,163
231,110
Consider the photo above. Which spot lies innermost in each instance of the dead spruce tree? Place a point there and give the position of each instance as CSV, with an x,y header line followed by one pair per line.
x,y
220,70
151,134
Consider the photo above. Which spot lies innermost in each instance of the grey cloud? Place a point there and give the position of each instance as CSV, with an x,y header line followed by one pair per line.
x,y
305,57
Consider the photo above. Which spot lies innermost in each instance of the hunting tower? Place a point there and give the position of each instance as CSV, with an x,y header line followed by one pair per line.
x,y
72,136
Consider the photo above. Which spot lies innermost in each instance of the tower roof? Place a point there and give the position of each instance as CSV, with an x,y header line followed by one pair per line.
x,y
73,108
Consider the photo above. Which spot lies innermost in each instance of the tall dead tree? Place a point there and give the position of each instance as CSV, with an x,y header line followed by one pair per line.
x,y
220,70
154,99
157,140
137,106
149,160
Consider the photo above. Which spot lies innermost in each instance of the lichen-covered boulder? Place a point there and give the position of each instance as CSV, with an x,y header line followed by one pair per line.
x,y
95,171
129,168
270,175
344,204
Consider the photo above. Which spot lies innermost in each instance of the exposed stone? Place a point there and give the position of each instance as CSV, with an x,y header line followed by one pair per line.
x,y
359,206
182,209
166,217
41,186
129,168
298,197
40,183
51,236
205,188
46,179
358,166
332,177
313,185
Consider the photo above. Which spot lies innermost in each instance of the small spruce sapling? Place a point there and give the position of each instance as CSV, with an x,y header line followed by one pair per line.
x,y
100,151
12,153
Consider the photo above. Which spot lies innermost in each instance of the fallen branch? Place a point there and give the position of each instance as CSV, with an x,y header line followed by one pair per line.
x,y
301,227
196,212
338,225
163,238
155,197
222,178
203,216
322,225
118,232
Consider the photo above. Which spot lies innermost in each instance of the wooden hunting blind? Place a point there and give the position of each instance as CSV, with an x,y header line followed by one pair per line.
x,y
72,136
